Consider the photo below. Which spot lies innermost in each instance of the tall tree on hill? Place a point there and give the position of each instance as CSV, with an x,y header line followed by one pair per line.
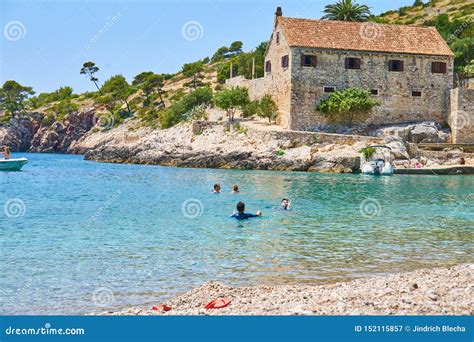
x,y
89,69
194,71
346,10
12,96
153,83
118,89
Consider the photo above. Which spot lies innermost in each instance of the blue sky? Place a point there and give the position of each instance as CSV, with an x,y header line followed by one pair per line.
x,y
45,42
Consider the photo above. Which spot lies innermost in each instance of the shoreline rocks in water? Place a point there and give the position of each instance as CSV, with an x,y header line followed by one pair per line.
x,y
216,145
438,291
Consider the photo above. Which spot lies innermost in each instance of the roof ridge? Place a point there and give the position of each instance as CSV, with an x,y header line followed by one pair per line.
x,y
363,36
359,22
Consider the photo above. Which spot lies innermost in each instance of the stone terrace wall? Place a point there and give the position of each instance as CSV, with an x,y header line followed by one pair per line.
x,y
257,87
461,118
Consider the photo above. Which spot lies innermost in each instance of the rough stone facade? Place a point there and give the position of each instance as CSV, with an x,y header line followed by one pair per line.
x,y
394,88
298,90
461,118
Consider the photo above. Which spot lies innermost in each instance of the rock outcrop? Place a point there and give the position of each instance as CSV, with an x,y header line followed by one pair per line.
x,y
19,132
425,132
28,134
220,146
62,134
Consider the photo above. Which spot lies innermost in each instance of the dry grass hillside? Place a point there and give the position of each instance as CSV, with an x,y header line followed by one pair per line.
x,y
417,14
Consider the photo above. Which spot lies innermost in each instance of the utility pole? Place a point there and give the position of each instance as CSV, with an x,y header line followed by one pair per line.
x,y
253,68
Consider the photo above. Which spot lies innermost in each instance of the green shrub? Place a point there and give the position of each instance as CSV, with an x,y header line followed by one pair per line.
x,y
367,152
348,104
250,109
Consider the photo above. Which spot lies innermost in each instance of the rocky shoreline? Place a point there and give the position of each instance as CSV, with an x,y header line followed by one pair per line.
x,y
438,291
246,144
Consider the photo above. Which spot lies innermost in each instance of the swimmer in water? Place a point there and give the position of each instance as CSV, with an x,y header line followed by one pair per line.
x,y
235,189
217,189
285,204
242,215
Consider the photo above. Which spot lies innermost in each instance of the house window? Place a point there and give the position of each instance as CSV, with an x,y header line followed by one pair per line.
x,y
374,92
352,63
416,93
329,89
308,60
268,66
395,65
284,61
277,39
438,67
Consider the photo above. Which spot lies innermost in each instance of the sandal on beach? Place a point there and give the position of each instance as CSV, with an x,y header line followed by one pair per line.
x,y
219,303
161,308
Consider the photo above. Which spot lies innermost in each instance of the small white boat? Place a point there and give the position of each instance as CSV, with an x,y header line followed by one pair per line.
x,y
12,164
378,163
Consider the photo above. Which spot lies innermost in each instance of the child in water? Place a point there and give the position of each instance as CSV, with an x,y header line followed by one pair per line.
x,y
217,189
242,215
285,204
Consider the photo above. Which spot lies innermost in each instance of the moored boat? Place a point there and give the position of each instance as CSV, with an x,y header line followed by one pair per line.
x,y
13,164
377,160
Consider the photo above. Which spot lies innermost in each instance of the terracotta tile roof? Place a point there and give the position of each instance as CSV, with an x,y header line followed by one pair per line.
x,y
356,36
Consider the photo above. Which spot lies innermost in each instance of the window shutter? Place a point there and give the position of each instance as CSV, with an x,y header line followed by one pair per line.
x,y
357,63
390,65
346,62
302,59
401,66
313,61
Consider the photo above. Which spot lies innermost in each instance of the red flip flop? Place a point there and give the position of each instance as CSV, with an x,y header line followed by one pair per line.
x,y
161,308
219,303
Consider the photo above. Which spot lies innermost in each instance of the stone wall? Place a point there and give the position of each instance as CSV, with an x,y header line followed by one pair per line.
x,y
277,82
461,118
394,88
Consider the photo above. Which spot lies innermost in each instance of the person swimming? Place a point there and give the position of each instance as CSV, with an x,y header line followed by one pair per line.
x,y
242,215
285,204
235,189
217,188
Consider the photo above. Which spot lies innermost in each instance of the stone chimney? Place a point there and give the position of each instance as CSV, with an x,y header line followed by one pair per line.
x,y
278,13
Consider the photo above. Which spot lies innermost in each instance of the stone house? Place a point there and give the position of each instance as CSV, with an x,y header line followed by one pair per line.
x,y
409,69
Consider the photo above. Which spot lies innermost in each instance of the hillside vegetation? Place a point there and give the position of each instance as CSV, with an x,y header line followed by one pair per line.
x,y
162,100
421,11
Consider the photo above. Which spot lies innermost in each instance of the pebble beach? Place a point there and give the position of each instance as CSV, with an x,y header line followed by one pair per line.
x,y
438,291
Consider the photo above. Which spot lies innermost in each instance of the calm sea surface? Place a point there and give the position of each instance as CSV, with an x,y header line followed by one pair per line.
x,y
79,237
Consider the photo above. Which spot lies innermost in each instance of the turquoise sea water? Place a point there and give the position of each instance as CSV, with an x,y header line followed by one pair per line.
x,y
79,237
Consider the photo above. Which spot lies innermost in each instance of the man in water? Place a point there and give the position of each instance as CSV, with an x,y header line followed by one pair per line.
x,y
217,189
242,215
235,189
6,152
285,204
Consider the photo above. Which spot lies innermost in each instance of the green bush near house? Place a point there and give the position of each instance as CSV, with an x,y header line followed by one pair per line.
x,y
345,105
267,108
188,107
232,99
367,152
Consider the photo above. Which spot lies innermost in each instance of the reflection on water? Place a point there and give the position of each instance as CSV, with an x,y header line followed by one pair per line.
x,y
121,227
